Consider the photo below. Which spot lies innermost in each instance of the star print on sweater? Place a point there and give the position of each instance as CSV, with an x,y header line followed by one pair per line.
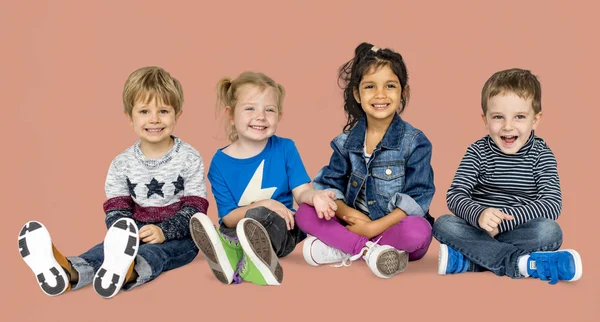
x,y
136,187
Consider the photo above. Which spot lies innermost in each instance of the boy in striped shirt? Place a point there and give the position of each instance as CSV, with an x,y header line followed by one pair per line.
x,y
506,193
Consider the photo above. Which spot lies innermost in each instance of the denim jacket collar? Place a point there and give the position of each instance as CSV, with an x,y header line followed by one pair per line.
x,y
391,139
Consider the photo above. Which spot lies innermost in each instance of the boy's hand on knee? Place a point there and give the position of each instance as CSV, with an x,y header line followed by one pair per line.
x,y
324,204
151,234
491,218
494,232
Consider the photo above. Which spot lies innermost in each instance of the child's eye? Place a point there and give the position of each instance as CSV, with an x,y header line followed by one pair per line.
x,y
391,86
249,108
143,112
520,117
271,110
497,117
164,111
368,86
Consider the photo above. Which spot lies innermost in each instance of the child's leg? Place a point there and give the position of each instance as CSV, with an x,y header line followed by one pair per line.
x,y
120,248
478,246
154,259
412,234
330,232
50,267
540,234
283,240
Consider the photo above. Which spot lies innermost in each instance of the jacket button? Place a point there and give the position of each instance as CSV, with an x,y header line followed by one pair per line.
x,y
354,184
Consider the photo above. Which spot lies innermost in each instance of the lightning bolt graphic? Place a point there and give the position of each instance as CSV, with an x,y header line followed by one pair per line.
x,y
254,191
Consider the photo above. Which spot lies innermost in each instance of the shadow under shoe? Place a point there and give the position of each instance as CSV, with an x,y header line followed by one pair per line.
x,y
259,263
50,267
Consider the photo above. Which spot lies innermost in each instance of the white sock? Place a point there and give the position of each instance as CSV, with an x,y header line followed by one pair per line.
x,y
523,265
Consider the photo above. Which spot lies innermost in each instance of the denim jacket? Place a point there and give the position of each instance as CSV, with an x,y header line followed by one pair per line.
x,y
398,175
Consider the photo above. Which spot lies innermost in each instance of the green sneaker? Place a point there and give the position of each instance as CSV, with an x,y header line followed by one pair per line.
x,y
259,264
221,252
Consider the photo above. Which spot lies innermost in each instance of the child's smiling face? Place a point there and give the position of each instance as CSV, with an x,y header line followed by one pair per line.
x,y
509,120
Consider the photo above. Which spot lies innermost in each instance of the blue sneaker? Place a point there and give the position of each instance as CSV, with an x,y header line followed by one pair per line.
x,y
451,261
564,265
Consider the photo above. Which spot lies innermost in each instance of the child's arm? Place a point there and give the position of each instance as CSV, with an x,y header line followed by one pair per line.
x,y
548,203
418,190
193,200
334,176
458,196
322,200
119,203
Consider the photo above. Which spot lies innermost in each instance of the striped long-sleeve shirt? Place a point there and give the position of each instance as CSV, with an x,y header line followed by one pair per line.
x,y
524,185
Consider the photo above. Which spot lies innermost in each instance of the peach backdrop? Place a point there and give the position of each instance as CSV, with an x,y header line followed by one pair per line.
x,y
64,64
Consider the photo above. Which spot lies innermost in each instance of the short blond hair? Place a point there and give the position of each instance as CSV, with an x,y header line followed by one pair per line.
x,y
227,89
520,82
149,83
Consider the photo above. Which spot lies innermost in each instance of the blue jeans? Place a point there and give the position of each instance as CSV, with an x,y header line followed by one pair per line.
x,y
500,254
151,261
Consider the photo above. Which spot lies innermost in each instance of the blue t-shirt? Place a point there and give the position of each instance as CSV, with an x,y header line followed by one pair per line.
x,y
271,174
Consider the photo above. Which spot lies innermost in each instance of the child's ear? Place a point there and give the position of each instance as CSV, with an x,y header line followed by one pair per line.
x,y
178,115
356,95
129,118
405,91
484,119
536,120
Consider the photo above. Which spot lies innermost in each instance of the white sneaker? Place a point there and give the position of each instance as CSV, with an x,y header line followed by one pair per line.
x,y
384,260
318,253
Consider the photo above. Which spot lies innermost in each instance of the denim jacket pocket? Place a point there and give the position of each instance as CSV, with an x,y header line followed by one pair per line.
x,y
389,178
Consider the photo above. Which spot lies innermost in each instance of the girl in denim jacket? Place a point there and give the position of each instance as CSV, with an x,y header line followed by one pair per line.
x,y
380,173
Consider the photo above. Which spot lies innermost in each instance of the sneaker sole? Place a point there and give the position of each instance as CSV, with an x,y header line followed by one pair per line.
x,y
256,244
306,251
207,239
120,249
392,262
35,247
443,259
578,265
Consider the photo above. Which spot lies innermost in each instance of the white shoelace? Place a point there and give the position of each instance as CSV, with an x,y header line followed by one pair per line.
x,y
347,261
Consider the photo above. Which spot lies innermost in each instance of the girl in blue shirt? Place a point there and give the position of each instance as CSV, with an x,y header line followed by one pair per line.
x,y
255,181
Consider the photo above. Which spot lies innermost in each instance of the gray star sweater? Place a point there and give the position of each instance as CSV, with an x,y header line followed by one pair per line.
x,y
165,192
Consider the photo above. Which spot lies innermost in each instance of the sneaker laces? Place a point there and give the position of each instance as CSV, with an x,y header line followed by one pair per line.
x,y
369,247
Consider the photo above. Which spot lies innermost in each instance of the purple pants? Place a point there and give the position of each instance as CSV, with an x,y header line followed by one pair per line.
x,y
412,234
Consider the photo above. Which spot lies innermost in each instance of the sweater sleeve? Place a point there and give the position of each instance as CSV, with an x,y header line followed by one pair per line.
x,y
193,200
459,195
117,187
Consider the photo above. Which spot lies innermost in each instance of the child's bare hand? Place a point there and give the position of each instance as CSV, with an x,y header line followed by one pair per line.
x,y
357,215
280,209
324,204
494,232
151,234
359,226
491,218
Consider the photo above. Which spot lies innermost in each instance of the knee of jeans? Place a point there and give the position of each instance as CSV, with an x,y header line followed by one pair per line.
x,y
548,233
260,214
446,224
